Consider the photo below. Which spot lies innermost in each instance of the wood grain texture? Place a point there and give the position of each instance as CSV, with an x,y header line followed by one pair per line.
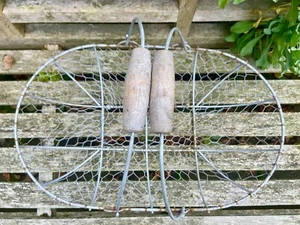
x,y
84,214
2,3
71,125
137,90
29,61
287,91
177,159
10,31
71,35
27,195
122,12
70,24
187,9
7,29
162,99
261,219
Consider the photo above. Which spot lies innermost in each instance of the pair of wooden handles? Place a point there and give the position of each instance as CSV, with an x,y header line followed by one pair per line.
x,y
142,86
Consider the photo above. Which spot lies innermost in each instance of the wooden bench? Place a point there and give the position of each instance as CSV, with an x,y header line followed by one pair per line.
x,y
21,201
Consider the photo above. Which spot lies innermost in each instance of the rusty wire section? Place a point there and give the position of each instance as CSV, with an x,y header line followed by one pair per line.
x,y
226,142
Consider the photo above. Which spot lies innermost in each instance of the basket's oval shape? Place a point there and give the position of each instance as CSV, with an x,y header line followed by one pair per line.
x,y
227,136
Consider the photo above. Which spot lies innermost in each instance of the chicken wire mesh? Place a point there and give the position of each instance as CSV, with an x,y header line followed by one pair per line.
x,y
227,136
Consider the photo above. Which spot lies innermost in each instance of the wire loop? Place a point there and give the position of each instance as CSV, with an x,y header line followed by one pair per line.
x,y
141,29
185,44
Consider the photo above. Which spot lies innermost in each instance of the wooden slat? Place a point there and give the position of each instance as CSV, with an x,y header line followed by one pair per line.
x,y
84,214
85,125
263,218
64,125
7,29
71,35
29,61
2,3
187,9
276,193
63,160
209,220
157,220
120,12
243,124
286,90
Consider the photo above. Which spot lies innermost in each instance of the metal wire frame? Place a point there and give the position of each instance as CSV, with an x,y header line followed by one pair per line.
x,y
130,147
161,141
197,153
101,149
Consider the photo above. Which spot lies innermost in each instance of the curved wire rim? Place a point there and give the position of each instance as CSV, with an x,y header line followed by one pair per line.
x,y
141,29
186,47
132,135
161,144
154,209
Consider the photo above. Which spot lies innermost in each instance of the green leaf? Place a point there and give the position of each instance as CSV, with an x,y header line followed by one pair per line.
x,y
275,53
273,57
263,61
289,59
296,54
292,14
248,48
242,27
223,3
287,35
232,37
278,28
295,39
243,40
236,2
280,44
268,30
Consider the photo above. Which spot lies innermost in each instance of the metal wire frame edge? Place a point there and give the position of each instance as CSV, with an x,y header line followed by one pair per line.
x,y
154,47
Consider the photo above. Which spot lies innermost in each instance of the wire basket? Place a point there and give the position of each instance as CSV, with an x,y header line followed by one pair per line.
x,y
228,133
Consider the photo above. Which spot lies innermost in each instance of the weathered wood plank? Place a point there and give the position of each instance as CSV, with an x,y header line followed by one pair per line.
x,y
29,61
84,214
157,220
242,124
66,125
10,31
87,124
122,12
2,3
276,193
69,92
176,158
33,60
7,29
187,9
286,90
209,35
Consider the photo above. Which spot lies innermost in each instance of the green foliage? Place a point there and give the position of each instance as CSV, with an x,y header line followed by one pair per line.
x,y
274,41
46,76
224,3
242,27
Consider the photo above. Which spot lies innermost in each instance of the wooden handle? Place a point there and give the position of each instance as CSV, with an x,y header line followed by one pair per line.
x,y
162,98
137,90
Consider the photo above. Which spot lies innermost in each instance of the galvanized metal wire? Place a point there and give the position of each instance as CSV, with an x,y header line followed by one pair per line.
x,y
226,143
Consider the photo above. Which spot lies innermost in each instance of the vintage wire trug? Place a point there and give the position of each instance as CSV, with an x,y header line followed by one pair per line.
x,y
219,152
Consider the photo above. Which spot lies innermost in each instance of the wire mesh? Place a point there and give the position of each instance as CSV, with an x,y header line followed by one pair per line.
x,y
226,141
